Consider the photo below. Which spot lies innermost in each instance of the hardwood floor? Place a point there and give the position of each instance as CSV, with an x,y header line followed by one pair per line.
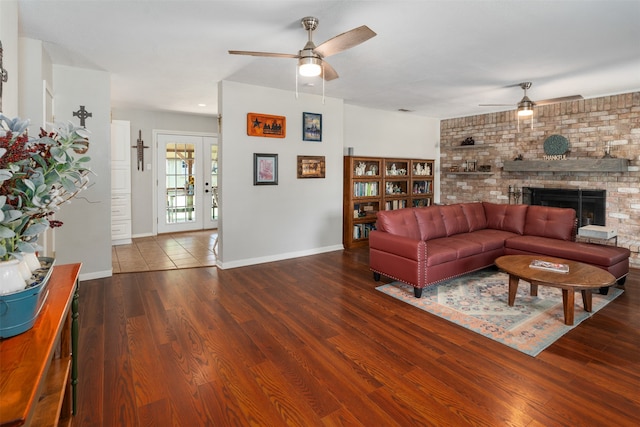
x,y
310,342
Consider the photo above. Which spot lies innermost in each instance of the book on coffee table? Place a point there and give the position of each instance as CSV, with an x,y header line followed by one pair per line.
x,y
549,266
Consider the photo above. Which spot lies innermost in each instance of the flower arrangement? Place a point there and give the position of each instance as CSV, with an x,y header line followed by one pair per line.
x,y
37,175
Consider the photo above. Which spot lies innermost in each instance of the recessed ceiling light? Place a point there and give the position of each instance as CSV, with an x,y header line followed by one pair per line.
x,y
202,105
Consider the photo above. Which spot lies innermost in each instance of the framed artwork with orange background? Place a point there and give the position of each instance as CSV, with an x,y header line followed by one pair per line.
x,y
266,125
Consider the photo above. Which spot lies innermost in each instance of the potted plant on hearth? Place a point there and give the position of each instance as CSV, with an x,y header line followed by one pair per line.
x,y
37,175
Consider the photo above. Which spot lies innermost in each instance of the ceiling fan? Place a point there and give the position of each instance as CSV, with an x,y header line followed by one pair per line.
x,y
525,106
311,57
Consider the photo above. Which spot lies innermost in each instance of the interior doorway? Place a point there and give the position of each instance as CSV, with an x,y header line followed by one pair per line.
x,y
187,166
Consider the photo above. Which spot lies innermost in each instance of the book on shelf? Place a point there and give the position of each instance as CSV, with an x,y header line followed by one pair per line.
x,y
361,231
549,266
364,189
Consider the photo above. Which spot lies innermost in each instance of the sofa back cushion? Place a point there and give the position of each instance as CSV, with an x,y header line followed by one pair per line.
x,y
430,222
475,216
505,217
400,222
455,222
545,221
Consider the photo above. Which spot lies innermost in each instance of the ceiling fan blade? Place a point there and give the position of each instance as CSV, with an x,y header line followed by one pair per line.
x,y
556,100
329,72
496,105
345,41
268,54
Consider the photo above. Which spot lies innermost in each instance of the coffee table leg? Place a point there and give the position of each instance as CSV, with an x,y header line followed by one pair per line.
x,y
513,289
586,300
568,300
533,290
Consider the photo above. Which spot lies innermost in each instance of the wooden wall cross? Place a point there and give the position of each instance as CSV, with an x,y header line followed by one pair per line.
x,y
140,150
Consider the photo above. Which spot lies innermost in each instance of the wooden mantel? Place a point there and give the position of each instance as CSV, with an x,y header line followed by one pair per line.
x,y
568,165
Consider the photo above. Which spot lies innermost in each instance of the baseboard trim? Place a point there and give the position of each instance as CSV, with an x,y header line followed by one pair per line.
x,y
277,257
95,275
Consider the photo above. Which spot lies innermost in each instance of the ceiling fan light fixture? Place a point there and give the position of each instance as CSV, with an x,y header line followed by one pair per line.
x,y
525,111
525,107
310,66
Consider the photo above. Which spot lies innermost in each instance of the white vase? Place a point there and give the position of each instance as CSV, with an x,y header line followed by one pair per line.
x,y
25,271
10,277
32,260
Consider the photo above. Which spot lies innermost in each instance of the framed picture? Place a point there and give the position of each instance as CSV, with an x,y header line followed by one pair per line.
x,y
266,125
265,169
311,167
471,165
311,127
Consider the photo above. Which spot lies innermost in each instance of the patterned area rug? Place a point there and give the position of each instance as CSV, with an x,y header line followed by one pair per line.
x,y
478,301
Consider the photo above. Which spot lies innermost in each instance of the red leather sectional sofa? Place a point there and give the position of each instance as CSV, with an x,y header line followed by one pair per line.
x,y
424,246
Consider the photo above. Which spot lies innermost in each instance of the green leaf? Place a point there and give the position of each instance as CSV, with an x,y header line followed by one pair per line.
x,y
5,174
68,184
35,229
6,232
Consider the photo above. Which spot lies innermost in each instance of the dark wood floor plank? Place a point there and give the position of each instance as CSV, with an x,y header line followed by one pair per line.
x,y
310,342
149,386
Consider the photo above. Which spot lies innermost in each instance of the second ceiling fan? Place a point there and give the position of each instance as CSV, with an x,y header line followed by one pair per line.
x,y
525,106
311,57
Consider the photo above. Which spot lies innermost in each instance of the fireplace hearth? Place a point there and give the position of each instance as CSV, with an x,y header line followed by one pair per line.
x,y
590,205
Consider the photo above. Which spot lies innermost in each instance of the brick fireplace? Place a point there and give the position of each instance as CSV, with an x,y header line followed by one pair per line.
x,y
590,126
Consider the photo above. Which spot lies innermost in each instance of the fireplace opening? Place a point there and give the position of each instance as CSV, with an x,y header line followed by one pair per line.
x,y
590,205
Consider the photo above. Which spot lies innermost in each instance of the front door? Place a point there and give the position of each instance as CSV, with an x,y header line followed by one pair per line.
x,y
187,182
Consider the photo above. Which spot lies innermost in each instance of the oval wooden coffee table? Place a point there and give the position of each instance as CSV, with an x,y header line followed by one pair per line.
x,y
582,277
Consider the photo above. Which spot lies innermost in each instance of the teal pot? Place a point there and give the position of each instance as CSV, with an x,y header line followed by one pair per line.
x,y
19,310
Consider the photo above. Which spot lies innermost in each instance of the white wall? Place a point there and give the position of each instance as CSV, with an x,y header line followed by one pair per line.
x,y
296,217
9,38
380,133
35,67
86,234
142,185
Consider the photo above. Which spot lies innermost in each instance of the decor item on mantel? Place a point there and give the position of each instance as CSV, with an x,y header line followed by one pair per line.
x,y
36,176
607,152
468,141
556,147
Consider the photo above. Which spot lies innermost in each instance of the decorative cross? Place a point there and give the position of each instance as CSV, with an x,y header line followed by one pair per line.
x,y
82,114
140,147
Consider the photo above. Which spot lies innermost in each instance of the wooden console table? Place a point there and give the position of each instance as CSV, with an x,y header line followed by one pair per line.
x,y
39,368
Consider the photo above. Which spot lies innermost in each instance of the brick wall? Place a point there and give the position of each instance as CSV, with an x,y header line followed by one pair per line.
x,y
589,125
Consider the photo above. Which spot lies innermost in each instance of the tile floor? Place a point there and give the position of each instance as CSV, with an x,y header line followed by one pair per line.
x,y
165,252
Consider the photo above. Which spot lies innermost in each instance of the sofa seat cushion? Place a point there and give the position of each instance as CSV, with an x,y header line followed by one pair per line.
x,y
489,239
450,249
587,253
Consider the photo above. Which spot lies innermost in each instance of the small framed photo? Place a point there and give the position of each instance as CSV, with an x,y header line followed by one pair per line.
x,y
265,169
310,166
471,165
311,127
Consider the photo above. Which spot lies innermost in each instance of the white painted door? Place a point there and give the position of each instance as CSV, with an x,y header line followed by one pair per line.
x,y
187,173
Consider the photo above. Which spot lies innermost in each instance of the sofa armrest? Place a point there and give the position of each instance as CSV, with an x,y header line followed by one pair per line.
x,y
401,246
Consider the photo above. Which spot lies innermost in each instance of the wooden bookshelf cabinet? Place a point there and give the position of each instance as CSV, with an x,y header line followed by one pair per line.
x,y
378,183
39,368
